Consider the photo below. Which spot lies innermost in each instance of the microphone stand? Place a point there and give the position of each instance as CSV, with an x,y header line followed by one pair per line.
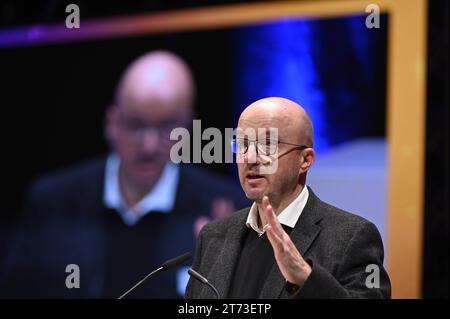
x,y
140,282
203,280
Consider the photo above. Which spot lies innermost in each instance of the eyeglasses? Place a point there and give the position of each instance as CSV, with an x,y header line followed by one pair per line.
x,y
264,146
136,129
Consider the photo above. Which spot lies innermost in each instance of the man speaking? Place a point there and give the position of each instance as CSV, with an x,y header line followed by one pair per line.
x,y
288,244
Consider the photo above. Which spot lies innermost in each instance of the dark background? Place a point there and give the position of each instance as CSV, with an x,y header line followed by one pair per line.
x,y
53,100
436,243
55,96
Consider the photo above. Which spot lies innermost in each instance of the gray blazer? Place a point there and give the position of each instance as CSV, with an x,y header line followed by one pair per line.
x,y
338,245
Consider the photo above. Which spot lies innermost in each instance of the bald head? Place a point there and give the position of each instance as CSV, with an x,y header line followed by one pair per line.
x,y
154,96
289,117
280,176
157,79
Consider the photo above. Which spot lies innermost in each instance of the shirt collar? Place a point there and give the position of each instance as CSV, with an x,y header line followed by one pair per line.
x,y
289,216
160,198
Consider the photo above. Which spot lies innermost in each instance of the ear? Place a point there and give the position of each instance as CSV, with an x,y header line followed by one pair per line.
x,y
308,158
111,125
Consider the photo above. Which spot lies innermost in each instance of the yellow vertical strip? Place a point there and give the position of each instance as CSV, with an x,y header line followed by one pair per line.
x,y
406,136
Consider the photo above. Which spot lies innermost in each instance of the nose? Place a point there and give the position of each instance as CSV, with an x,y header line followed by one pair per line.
x,y
150,140
252,157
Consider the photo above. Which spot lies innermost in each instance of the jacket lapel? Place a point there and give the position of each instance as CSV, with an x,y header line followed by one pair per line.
x,y
303,235
222,271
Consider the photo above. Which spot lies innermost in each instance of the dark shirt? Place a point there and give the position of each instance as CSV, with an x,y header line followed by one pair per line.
x,y
130,252
255,262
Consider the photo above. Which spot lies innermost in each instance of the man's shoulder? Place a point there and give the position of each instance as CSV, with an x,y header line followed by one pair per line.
x,y
75,177
340,220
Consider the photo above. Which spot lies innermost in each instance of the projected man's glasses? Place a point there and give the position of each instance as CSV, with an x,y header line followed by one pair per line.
x,y
263,146
136,129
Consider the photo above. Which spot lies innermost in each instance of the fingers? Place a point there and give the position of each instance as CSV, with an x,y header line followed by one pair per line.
x,y
275,241
275,232
272,219
288,258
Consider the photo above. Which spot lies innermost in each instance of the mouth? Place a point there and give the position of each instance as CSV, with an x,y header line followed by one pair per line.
x,y
253,178
146,165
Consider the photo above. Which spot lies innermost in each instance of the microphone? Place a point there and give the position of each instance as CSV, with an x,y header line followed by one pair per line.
x,y
165,266
179,260
204,281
